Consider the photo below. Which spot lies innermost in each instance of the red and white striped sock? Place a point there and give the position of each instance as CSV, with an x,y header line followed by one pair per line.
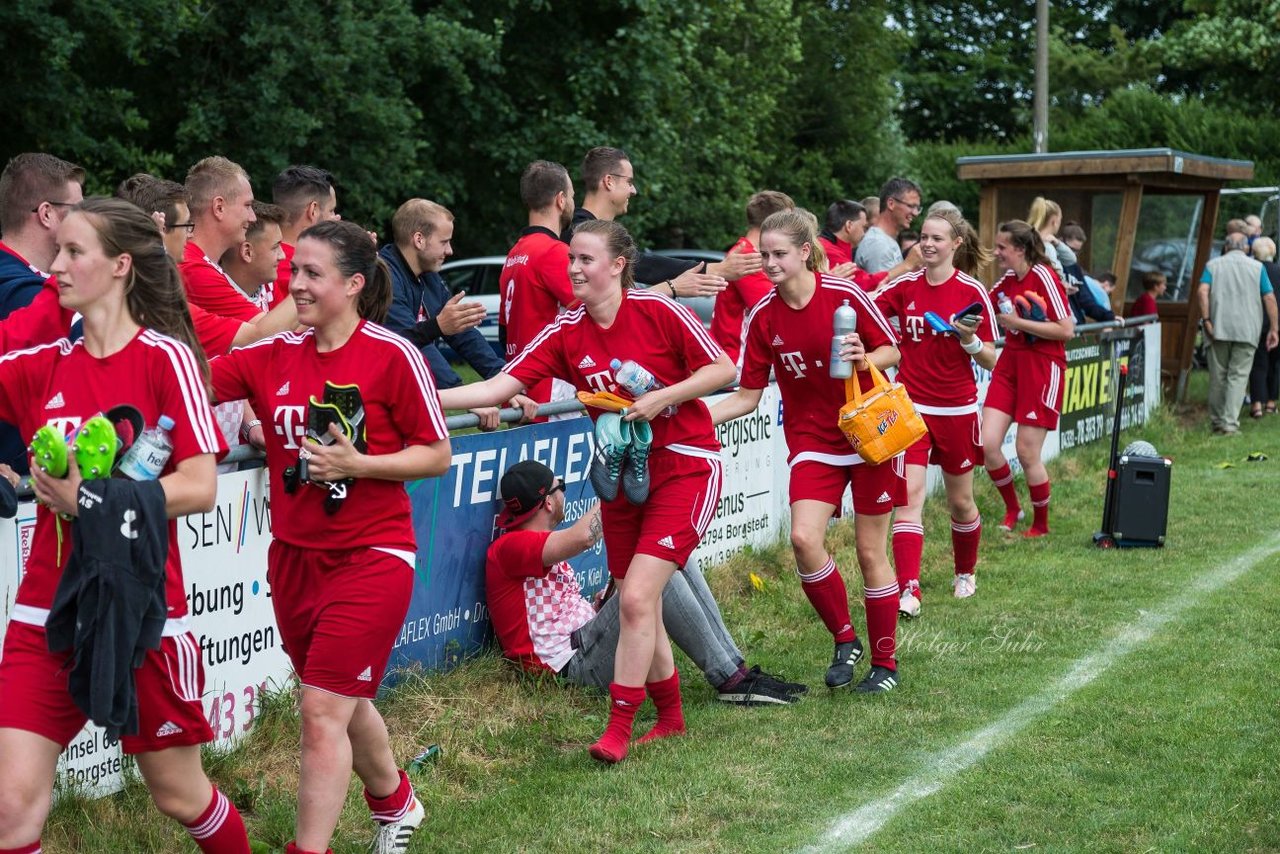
x,y
219,829
965,537
1039,506
908,545
830,598
882,624
1002,477
395,805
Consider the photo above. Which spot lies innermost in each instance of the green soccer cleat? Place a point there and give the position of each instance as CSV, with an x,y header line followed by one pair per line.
x,y
49,452
95,448
613,439
635,476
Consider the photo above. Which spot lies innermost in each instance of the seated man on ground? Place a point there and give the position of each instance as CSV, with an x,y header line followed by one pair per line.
x,y
545,624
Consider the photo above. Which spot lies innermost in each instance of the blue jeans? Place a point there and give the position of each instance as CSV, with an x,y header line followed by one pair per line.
x,y
693,621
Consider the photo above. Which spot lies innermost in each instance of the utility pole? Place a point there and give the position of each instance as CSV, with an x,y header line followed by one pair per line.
x,y
1040,126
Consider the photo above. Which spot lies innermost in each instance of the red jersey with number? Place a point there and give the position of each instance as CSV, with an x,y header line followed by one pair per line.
x,y
655,332
1041,280
279,376
534,285
796,344
209,287
733,303
61,384
534,608
937,372
284,271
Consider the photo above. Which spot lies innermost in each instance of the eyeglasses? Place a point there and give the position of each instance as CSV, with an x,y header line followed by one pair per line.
x,y
628,178
559,487
189,226
36,209
903,202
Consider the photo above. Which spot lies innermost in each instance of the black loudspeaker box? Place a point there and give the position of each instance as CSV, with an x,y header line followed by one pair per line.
x,y
1140,509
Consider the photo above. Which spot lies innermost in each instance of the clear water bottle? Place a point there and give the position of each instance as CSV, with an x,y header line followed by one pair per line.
x,y
844,322
1004,303
149,453
636,380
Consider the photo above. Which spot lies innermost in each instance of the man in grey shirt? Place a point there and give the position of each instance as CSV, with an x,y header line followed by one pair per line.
x,y
1234,293
879,252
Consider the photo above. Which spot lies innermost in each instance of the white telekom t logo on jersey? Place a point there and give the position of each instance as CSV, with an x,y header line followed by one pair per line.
x,y
290,423
793,362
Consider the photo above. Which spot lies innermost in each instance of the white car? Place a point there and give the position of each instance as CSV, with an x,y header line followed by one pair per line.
x,y
479,278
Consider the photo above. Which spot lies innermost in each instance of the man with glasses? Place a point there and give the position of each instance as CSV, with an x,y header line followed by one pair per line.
x,y
609,180
544,623
879,252
168,204
36,192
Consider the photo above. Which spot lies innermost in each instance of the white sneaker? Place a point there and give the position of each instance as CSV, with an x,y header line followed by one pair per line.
x,y
393,836
965,585
908,604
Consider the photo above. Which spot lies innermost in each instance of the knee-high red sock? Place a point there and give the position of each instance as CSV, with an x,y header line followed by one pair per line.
x,y
882,624
666,697
964,543
33,848
1039,507
908,545
219,829
1003,479
395,805
624,702
829,597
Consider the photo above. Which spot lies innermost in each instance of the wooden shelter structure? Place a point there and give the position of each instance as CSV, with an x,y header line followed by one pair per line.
x,y
1143,210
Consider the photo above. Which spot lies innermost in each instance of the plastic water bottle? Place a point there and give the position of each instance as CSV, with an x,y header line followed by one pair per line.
x,y
636,380
1004,303
844,322
149,453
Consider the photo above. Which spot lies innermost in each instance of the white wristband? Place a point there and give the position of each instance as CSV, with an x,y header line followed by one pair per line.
x,y
974,346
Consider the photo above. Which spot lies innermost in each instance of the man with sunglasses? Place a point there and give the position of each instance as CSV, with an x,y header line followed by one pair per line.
x,y
545,624
879,252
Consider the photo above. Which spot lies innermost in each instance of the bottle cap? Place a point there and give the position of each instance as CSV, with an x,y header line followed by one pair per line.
x,y
166,423
615,364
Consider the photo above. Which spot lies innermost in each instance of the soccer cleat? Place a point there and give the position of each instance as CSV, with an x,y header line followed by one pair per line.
x,y
613,438
635,475
1033,532
789,687
840,673
49,452
756,689
1011,520
909,603
393,836
95,447
878,679
965,585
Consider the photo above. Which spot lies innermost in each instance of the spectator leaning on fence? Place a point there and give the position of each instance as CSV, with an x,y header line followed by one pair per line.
x,y
1237,305
222,209
879,251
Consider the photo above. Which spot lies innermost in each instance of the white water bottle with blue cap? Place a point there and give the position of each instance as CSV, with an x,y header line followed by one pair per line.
x,y
844,322
636,380
149,453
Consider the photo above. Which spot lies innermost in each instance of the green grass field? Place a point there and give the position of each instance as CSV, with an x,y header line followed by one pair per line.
x,y
1083,700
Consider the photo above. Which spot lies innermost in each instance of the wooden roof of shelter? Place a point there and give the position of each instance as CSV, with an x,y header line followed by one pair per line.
x,y
1077,176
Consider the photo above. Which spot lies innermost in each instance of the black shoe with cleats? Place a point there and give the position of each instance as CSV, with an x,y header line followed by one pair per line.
x,y
879,679
840,673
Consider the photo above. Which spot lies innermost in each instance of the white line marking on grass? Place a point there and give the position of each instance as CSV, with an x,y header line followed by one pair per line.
x,y
857,826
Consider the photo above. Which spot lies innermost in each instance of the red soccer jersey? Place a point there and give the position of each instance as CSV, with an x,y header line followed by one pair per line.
x,y
838,252
279,376
41,322
796,343
61,384
534,284
534,608
1144,304
214,331
1040,279
734,302
656,332
935,370
211,288
284,271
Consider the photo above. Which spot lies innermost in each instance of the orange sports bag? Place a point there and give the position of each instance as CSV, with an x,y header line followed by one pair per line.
x,y
881,423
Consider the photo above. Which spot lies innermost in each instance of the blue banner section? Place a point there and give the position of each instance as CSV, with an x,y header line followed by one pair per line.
x,y
454,519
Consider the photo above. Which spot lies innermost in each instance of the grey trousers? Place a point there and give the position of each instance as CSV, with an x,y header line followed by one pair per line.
x,y
1229,366
693,621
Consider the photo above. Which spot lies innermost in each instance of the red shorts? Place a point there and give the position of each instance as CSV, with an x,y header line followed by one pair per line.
x,y
339,612
877,489
1029,388
684,492
953,442
34,695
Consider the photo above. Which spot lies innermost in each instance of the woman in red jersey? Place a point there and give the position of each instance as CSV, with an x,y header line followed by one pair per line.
x,y
138,349
789,331
937,370
645,542
1027,384
341,563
